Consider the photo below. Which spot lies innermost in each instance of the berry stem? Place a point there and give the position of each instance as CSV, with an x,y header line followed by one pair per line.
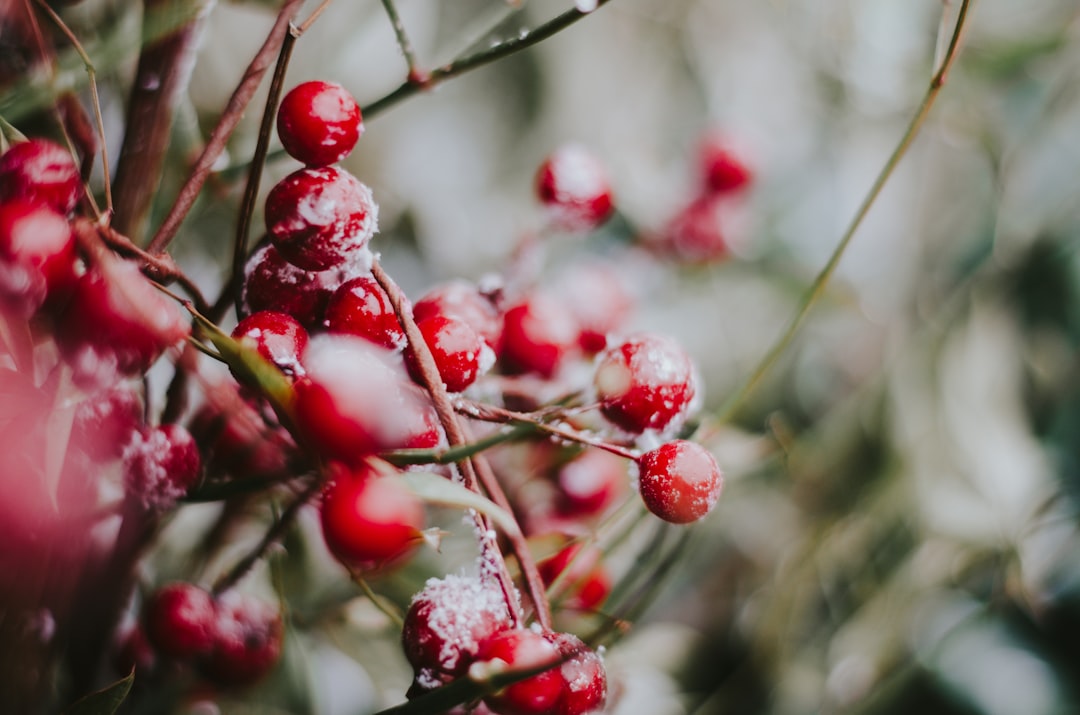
x,y
937,81
416,75
404,457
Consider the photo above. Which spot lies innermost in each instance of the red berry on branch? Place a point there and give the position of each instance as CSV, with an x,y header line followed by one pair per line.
x,y
361,307
679,481
574,186
538,333
37,257
599,301
161,465
586,583
247,641
723,169
278,337
320,218
40,171
237,439
369,520
457,349
462,300
105,422
522,649
319,123
695,234
179,619
646,382
583,676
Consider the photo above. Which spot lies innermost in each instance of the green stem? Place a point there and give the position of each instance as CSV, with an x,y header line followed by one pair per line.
x,y
416,75
457,453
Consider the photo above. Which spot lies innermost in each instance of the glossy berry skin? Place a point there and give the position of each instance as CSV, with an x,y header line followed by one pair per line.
x,y
179,620
361,307
247,641
680,481
646,382
445,625
457,349
278,337
272,283
574,186
319,123
521,649
161,465
369,520
462,300
318,218
40,171
723,169
583,676
586,584
538,333
37,256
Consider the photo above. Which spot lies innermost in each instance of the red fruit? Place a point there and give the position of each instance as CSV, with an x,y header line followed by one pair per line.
x,y
723,169
424,430
680,481
179,619
583,676
590,483
320,218
599,302
573,184
247,640
369,520
42,172
278,337
587,583
236,439
645,383
457,349
37,256
462,300
105,422
521,649
361,307
161,465
446,623
695,234
537,334
319,123
356,399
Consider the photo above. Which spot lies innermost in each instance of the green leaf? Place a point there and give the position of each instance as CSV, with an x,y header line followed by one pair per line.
x,y
436,489
105,701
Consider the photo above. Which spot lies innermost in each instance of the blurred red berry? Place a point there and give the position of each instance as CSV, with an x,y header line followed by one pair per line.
x,y
161,465
538,333
179,619
247,640
462,300
40,171
37,257
723,169
574,186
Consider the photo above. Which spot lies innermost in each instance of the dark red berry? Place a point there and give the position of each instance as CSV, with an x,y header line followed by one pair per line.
x,y
40,171
537,334
161,464
319,123
272,283
573,184
369,520
446,623
521,649
646,382
586,583
37,256
105,422
361,307
179,619
278,337
320,218
247,641
462,300
458,351
723,169
583,676
237,439
680,481
590,483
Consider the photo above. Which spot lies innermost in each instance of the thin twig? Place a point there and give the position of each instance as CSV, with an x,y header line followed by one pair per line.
x,y
416,75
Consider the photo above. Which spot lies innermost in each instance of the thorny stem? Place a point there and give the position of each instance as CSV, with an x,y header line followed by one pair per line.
x,y
448,419
937,81
230,118
416,75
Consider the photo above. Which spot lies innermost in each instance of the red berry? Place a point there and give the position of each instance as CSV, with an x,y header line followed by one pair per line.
x,y
247,640
161,464
462,300
424,430
37,256
574,185
356,399
583,676
645,383
320,218
361,307
586,584
521,649
319,123
446,623
457,349
590,483
695,234
598,300
42,172
179,619
105,422
237,439
278,337
369,520
723,169
680,481
537,334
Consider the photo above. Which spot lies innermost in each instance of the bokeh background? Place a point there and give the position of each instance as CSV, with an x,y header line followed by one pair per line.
x,y
898,531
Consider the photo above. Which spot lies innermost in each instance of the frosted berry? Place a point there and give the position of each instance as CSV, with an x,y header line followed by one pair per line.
x,y
598,300
537,334
369,520
446,623
40,171
646,382
179,620
37,256
318,218
356,399
680,481
521,649
583,676
457,349
574,186
462,300
272,283
695,234
278,337
590,483
319,123
723,169
247,640
161,465
105,423
586,583
361,307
